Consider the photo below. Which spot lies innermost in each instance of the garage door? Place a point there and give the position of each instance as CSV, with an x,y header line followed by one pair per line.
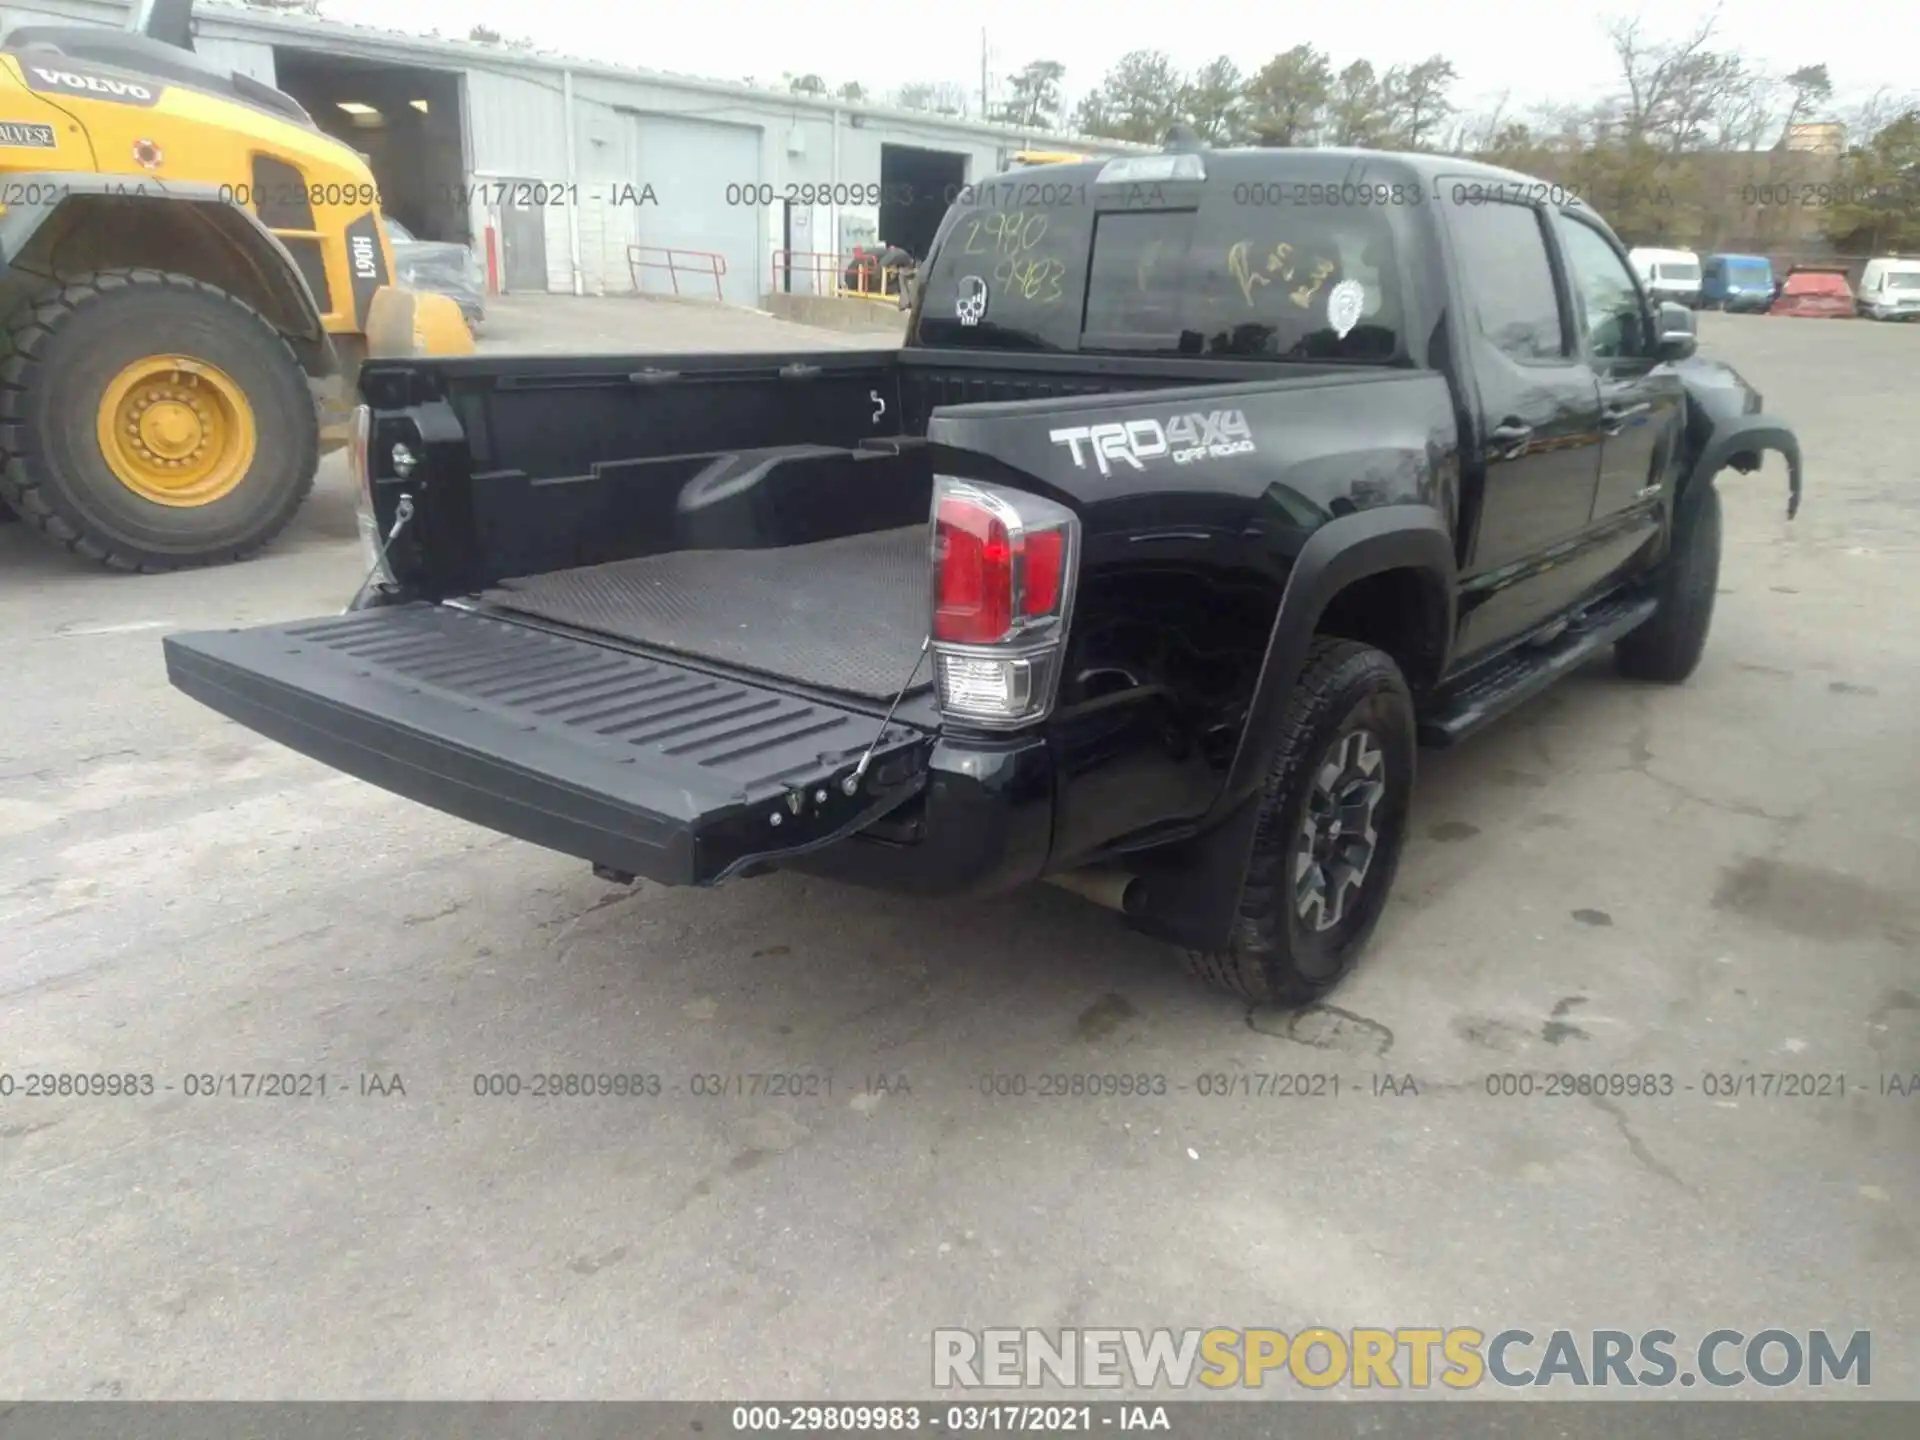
x,y
690,164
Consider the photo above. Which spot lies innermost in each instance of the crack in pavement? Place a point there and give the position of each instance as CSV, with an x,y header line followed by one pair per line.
x,y
1637,1146
1640,762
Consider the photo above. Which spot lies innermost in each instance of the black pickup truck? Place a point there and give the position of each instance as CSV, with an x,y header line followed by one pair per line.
x,y
1207,486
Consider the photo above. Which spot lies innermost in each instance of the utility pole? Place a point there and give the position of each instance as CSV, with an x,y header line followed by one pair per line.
x,y
983,73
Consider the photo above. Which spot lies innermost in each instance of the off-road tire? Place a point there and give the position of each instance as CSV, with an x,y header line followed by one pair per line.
x,y
1667,648
1274,957
61,350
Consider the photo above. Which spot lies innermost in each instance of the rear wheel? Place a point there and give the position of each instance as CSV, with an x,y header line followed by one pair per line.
x,y
151,458
1333,819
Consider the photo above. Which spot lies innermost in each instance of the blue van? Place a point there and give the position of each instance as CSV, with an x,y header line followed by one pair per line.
x,y
1736,282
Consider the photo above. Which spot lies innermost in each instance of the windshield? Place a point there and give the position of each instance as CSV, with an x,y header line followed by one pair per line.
x,y
1750,272
1904,280
1674,270
1211,278
397,232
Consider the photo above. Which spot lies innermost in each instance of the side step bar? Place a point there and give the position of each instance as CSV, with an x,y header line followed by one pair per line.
x,y
1520,675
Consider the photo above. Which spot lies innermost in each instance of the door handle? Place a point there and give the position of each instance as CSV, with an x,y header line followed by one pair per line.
x,y
1510,437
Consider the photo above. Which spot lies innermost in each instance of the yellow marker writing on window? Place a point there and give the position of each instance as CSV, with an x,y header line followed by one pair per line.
x,y
1303,296
1244,276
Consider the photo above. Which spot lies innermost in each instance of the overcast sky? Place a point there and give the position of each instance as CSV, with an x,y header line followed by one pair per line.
x,y
1538,51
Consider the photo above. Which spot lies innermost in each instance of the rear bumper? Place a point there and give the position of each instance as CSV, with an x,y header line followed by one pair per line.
x,y
641,766
983,824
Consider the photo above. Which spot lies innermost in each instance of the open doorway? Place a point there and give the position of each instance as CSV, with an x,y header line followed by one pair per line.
x,y
407,120
916,186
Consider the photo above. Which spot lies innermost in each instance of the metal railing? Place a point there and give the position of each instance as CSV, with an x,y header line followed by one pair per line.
x,y
857,275
709,264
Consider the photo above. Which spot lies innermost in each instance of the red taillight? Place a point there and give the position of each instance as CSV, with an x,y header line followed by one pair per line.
x,y
1045,554
1003,578
973,553
981,561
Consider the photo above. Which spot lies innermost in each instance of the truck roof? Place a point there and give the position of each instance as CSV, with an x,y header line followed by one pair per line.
x,y
1248,163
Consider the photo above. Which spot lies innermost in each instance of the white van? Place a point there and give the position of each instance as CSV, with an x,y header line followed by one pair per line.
x,y
1668,275
1890,289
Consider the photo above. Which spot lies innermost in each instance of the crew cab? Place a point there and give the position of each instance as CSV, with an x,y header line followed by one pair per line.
x,y
1206,487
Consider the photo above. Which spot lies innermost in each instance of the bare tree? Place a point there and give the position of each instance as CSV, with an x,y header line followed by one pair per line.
x,y
1867,118
1700,89
1479,132
1652,71
1744,111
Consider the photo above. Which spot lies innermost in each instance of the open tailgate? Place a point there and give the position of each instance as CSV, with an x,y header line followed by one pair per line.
x,y
642,765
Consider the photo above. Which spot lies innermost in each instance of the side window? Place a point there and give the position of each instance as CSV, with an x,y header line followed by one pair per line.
x,y
1509,280
1604,291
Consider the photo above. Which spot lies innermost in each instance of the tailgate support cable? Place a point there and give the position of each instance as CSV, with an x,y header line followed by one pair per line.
x,y
400,518
851,784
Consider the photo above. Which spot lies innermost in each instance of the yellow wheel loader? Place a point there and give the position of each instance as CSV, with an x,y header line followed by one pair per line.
x,y
190,275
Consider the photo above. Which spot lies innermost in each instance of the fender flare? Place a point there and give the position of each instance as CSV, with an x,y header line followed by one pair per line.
x,y
1729,441
1192,887
1350,548
299,314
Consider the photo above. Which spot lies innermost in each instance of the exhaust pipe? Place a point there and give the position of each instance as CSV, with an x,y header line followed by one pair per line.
x,y
1105,885
168,21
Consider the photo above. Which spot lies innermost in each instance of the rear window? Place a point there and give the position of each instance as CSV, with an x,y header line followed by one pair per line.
x,y
1224,280
1009,278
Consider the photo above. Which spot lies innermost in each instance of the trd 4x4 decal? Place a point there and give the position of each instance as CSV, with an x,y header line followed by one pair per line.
x,y
1186,438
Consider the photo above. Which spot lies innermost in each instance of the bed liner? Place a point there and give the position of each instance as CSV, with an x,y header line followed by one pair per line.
x,y
846,615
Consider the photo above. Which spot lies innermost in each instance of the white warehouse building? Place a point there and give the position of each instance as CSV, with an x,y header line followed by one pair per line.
x,y
576,176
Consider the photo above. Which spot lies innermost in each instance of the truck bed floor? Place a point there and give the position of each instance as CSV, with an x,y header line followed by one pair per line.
x,y
844,615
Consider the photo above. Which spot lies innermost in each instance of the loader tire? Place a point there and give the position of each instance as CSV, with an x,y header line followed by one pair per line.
x,y
150,421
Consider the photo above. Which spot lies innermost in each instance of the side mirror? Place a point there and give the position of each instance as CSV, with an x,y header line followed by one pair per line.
x,y
1678,339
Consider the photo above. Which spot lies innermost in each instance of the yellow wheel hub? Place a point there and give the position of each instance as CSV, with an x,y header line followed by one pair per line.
x,y
177,431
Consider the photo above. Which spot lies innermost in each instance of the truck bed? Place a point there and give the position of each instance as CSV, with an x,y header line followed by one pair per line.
x,y
846,615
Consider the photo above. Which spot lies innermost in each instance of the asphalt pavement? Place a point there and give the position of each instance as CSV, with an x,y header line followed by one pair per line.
x,y
1719,880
